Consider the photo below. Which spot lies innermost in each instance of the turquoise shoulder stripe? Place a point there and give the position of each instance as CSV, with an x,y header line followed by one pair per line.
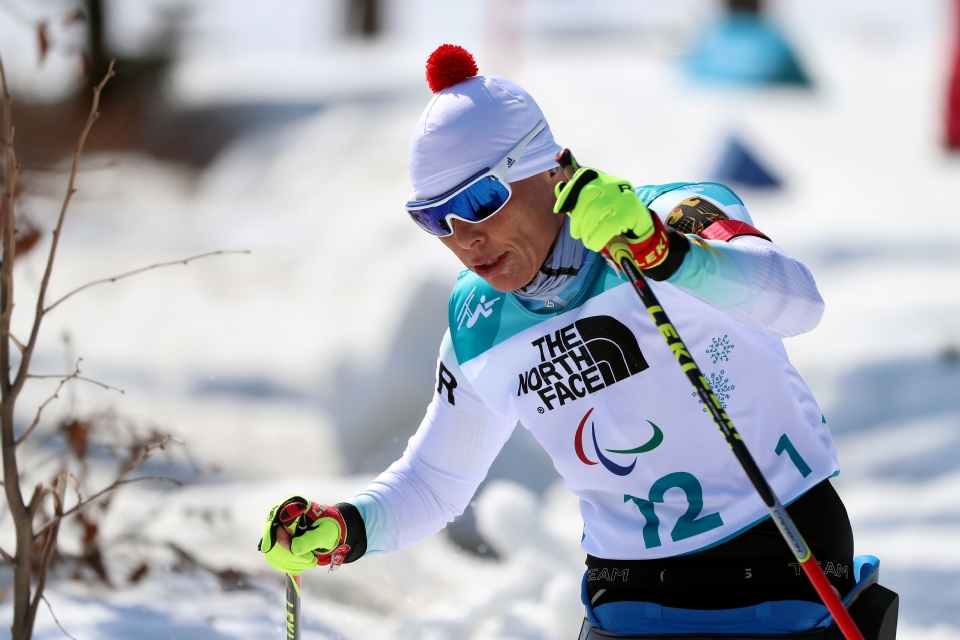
x,y
649,193
481,317
719,192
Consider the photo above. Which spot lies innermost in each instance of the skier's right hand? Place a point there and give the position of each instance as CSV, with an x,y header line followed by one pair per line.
x,y
299,534
603,208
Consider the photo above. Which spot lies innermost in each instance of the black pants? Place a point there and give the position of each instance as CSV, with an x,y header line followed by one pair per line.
x,y
754,567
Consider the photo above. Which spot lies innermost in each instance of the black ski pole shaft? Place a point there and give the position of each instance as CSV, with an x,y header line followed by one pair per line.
x,y
293,607
777,511
621,255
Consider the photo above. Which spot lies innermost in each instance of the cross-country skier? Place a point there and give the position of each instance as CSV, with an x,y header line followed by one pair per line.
x,y
543,330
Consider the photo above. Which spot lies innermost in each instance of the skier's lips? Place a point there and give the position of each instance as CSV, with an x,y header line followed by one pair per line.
x,y
490,267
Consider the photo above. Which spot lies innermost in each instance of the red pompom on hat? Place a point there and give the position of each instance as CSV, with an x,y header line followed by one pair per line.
x,y
448,65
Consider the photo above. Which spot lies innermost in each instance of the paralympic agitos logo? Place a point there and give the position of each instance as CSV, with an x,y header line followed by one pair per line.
x,y
582,358
610,465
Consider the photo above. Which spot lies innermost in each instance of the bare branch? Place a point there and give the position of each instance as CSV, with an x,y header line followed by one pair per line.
x,y
6,556
38,494
149,449
17,342
140,270
76,377
76,487
114,485
119,482
54,616
11,476
49,549
36,418
45,282
11,169
23,560
64,379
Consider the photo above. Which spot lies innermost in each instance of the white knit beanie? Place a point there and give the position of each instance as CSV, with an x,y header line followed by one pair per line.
x,y
471,124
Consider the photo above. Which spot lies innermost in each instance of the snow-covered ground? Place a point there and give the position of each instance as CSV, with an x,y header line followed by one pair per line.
x,y
303,366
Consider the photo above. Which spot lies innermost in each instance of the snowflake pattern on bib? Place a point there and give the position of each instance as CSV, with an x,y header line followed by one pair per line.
x,y
720,349
721,387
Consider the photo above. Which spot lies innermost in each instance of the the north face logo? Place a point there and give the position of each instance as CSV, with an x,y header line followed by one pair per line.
x,y
582,358
613,346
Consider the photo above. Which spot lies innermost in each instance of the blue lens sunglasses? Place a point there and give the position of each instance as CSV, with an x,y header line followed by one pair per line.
x,y
473,200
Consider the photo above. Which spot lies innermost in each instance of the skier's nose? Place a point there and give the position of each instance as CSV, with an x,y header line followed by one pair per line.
x,y
467,235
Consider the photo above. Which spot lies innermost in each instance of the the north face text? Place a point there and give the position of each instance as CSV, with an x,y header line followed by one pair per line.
x,y
582,358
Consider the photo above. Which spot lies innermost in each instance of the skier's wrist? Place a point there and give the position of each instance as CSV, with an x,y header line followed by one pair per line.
x,y
356,537
651,250
679,247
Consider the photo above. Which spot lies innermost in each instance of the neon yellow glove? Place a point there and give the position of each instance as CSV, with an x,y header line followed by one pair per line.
x,y
602,207
317,536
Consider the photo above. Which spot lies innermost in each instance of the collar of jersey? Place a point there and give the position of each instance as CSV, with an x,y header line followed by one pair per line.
x,y
513,317
578,299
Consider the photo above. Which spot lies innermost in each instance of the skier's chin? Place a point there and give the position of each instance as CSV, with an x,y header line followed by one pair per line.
x,y
507,275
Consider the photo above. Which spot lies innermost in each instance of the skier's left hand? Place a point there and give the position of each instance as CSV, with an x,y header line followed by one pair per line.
x,y
602,207
299,534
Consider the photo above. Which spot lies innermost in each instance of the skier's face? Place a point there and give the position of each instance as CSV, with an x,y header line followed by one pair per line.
x,y
508,248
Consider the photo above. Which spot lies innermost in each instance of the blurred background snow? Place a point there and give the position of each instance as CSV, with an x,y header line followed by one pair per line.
x,y
282,128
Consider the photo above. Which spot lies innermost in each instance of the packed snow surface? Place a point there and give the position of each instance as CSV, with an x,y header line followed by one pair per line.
x,y
304,365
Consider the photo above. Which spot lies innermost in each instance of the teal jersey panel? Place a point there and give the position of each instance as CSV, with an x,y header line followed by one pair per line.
x,y
649,193
713,190
481,317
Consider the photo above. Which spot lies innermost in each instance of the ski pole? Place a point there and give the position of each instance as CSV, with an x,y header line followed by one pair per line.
x,y
293,607
287,518
620,252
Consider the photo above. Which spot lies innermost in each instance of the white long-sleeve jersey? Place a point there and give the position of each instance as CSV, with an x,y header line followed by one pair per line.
x,y
598,387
